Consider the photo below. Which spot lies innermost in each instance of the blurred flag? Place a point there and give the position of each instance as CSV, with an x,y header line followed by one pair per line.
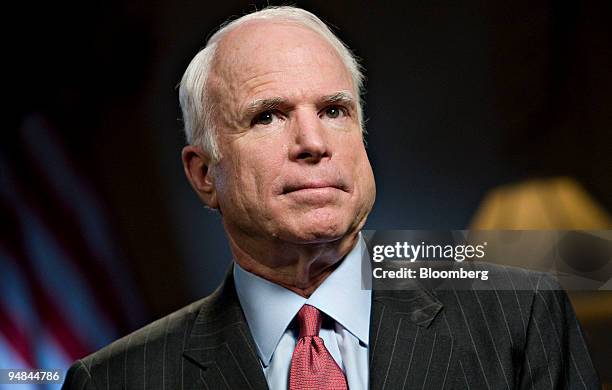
x,y
64,289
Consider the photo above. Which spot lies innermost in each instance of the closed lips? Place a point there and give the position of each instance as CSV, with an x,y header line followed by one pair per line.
x,y
307,186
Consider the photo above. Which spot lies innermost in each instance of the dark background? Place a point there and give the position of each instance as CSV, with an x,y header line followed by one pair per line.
x,y
461,97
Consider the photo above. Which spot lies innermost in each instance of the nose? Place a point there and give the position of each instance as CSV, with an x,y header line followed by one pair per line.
x,y
310,143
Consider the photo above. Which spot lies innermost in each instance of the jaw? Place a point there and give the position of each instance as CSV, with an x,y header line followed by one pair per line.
x,y
313,225
300,268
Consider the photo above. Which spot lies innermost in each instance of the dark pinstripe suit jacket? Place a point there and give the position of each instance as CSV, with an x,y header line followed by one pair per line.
x,y
524,337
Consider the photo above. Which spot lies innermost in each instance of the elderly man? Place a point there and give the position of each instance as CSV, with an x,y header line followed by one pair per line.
x,y
273,119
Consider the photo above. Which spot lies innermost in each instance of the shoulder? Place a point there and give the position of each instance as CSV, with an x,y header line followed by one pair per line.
x,y
507,294
155,355
157,346
505,310
160,334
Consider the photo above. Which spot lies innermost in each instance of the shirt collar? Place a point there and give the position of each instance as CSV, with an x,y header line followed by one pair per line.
x,y
269,308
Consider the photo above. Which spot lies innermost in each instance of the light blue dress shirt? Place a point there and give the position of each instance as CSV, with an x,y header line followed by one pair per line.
x,y
269,310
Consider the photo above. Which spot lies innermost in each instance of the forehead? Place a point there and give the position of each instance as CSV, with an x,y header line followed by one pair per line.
x,y
281,52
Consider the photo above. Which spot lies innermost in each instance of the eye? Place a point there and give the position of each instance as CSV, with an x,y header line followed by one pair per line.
x,y
264,118
334,112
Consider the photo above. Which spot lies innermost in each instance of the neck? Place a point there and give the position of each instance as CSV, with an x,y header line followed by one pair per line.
x,y
300,268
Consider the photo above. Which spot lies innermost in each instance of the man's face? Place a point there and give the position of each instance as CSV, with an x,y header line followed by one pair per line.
x,y
293,165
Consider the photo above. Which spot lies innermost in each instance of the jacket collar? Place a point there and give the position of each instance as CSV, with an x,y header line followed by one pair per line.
x,y
220,339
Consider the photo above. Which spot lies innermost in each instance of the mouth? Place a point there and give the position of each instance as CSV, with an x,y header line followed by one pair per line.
x,y
312,186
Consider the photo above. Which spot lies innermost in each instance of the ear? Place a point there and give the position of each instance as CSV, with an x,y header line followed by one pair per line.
x,y
197,164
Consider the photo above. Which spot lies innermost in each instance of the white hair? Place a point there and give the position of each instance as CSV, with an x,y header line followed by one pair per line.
x,y
196,104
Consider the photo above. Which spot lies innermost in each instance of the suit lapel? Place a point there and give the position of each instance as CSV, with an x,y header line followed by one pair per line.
x,y
220,343
405,350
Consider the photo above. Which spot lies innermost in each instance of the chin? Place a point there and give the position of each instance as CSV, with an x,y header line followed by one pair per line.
x,y
319,232
321,236
318,225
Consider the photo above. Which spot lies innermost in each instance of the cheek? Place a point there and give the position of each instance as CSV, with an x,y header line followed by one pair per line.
x,y
363,177
355,156
256,171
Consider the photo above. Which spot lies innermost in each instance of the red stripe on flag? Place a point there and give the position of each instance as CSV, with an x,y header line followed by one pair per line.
x,y
16,337
61,226
49,312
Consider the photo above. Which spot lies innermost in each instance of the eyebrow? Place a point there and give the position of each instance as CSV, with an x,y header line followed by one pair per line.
x,y
268,104
261,105
342,97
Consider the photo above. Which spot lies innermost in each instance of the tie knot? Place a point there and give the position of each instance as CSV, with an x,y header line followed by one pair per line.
x,y
309,320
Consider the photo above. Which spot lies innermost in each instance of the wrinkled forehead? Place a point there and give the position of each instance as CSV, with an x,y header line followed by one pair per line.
x,y
260,46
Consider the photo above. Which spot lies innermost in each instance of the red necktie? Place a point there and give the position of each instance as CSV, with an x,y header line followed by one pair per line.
x,y
312,366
